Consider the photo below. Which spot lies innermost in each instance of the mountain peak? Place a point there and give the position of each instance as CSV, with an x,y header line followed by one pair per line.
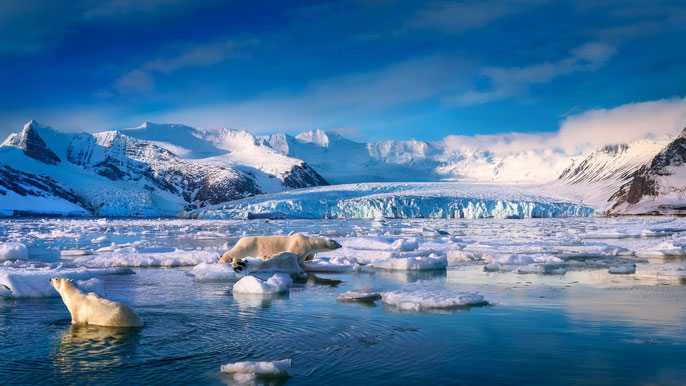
x,y
318,137
31,143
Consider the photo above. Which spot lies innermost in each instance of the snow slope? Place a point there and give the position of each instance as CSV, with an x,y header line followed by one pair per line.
x,y
341,160
400,200
599,175
114,174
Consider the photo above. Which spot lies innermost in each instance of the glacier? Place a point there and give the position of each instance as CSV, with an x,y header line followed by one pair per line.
x,y
400,200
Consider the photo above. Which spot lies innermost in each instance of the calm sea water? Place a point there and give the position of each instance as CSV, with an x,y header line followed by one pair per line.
x,y
580,328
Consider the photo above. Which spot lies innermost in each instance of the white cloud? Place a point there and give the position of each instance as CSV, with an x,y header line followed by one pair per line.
x,y
509,82
583,132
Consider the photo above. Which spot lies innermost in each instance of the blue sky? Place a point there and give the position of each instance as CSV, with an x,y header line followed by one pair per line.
x,y
370,69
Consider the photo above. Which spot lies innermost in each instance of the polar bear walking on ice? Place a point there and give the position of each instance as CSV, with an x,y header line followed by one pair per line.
x,y
92,309
269,247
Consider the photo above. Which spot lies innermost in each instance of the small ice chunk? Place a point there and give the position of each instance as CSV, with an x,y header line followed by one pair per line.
x,y
248,372
623,269
358,296
418,298
211,272
332,265
278,283
414,263
100,240
76,252
13,251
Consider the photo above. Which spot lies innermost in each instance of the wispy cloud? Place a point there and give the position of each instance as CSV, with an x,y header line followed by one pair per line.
x,y
515,81
459,16
335,101
200,55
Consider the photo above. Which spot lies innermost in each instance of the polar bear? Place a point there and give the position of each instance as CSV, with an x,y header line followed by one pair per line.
x,y
91,308
269,247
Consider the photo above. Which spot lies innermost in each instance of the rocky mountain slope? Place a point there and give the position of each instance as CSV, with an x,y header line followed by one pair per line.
x,y
658,186
114,174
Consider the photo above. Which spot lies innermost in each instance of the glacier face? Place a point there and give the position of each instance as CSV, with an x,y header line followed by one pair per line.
x,y
400,200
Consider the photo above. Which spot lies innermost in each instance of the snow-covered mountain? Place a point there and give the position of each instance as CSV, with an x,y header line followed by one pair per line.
x,y
658,186
341,160
138,171
601,173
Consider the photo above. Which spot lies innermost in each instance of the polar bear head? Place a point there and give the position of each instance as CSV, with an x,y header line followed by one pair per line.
x,y
61,283
332,244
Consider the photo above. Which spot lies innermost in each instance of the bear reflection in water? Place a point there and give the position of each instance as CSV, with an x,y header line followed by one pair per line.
x,y
87,349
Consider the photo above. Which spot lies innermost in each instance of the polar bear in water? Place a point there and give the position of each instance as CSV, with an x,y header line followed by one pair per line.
x,y
91,308
268,247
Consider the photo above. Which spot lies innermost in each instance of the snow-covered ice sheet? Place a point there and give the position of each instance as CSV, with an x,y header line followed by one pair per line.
x,y
277,283
418,298
35,282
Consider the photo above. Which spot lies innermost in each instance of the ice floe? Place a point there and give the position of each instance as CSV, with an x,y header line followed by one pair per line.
x,y
277,283
358,296
417,298
13,251
249,372
211,272
333,265
35,282
147,257
415,262
623,269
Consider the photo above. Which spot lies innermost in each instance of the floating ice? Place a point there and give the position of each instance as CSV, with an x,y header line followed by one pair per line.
x,y
663,249
285,262
248,372
358,296
623,269
35,282
414,263
148,257
418,298
278,283
13,251
209,272
75,252
332,265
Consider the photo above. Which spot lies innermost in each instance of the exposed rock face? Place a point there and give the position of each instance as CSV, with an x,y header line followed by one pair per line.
x,y
119,157
658,177
114,174
303,175
25,184
33,145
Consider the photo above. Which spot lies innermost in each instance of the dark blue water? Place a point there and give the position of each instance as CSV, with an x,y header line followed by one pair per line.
x,y
538,333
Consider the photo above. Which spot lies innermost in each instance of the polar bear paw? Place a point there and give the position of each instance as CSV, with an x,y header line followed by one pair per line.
x,y
239,265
